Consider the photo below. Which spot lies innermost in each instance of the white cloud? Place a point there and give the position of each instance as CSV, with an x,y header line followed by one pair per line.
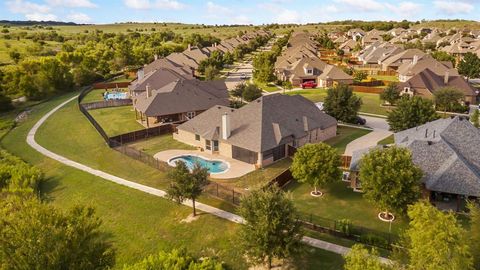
x,y
332,9
158,4
24,7
241,19
72,3
365,5
79,17
453,7
406,9
215,9
288,16
40,17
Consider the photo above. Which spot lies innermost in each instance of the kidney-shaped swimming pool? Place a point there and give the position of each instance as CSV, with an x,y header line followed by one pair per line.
x,y
212,165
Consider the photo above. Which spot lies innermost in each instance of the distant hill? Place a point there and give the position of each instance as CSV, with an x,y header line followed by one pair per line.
x,y
28,23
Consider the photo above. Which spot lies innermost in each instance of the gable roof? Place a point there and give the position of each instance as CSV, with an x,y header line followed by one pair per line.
x,y
398,59
439,68
263,124
157,79
183,96
446,151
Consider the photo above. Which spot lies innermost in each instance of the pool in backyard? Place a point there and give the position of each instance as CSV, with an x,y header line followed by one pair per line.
x,y
214,166
115,95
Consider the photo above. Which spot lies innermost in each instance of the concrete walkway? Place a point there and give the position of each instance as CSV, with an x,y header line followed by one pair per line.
x,y
371,139
157,192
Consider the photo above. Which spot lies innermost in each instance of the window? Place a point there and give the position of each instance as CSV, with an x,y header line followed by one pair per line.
x,y
215,146
197,137
190,115
208,145
309,71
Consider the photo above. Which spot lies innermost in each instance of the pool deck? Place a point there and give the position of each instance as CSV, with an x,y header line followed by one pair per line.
x,y
237,168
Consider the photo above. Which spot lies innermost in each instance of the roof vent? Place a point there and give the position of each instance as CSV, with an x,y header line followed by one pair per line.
x,y
426,133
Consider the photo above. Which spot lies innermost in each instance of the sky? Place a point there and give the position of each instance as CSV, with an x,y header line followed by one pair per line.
x,y
236,11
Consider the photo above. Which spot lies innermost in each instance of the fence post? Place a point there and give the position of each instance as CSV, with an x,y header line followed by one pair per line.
x,y
216,184
233,196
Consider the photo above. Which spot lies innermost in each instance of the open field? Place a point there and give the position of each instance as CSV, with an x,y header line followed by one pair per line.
x,y
140,224
344,136
157,144
23,46
116,120
371,102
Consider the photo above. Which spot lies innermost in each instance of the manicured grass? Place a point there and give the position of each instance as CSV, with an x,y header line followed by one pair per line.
x,y
344,136
385,78
389,140
340,202
139,224
269,87
371,102
258,178
94,95
116,120
160,143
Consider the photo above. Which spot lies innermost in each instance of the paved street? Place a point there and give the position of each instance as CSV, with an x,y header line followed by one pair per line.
x,y
234,77
380,132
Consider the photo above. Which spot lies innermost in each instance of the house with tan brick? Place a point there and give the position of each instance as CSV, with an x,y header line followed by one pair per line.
x,y
262,132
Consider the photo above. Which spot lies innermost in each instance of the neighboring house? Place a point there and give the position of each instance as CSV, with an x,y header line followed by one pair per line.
x,y
348,46
446,151
261,132
356,34
372,37
377,51
156,79
408,70
332,75
340,40
396,60
427,82
178,101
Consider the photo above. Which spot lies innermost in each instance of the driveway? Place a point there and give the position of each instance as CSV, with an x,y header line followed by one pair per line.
x,y
234,77
380,131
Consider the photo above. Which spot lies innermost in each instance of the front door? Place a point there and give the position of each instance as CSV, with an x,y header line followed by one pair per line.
x,y
215,146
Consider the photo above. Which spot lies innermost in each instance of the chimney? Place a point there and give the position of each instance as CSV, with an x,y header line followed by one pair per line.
x,y
189,47
426,133
225,126
149,91
415,59
434,133
446,77
156,57
140,74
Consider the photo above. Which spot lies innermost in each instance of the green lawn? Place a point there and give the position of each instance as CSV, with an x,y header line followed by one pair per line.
x,y
269,87
258,178
344,136
160,143
385,78
389,140
371,102
340,202
116,120
139,224
94,95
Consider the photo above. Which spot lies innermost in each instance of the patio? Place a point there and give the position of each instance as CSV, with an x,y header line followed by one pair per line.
x,y
237,168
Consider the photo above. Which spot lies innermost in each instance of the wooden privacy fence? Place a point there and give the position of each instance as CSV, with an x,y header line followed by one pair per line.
x,y
281,179
369,84
366,89
110,85
107,104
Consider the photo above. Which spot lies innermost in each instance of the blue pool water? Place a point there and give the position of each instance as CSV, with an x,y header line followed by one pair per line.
x,y
213,166
114,95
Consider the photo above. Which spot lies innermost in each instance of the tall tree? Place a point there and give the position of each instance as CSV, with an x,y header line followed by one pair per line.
x,y
360,258
211,72
447,98
317,165
251,92
263,65
186,184
342,103
35,235
238,90
435,240
443,56
469,66
474,118
474,233
390,179
411,112
271,228
390,94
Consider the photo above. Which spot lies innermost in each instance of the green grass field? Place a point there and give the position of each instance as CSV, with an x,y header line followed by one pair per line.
x,y
389,140
269,87
116,120
140,224
385,78
371,102
154,145
344,136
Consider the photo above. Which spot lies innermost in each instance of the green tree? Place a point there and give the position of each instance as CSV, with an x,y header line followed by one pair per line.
x,y
251,92
390,179
411,112
5,103
435,240
186,184
474,233
238,90
342,103
443,57
359,75
17,175
175,259
211,72
390,94
317,165
474,118
15,56
360,258
271,228
287,85
469,66
447,98
35,235
263,65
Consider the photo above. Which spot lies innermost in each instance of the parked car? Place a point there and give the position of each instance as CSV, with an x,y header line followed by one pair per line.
x,y
360,121
309,84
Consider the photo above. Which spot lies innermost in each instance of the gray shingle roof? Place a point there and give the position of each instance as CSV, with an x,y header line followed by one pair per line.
x,y
264,123
447,150
157,79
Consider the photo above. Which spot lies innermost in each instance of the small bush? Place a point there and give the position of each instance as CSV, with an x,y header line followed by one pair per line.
x,y
373,240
